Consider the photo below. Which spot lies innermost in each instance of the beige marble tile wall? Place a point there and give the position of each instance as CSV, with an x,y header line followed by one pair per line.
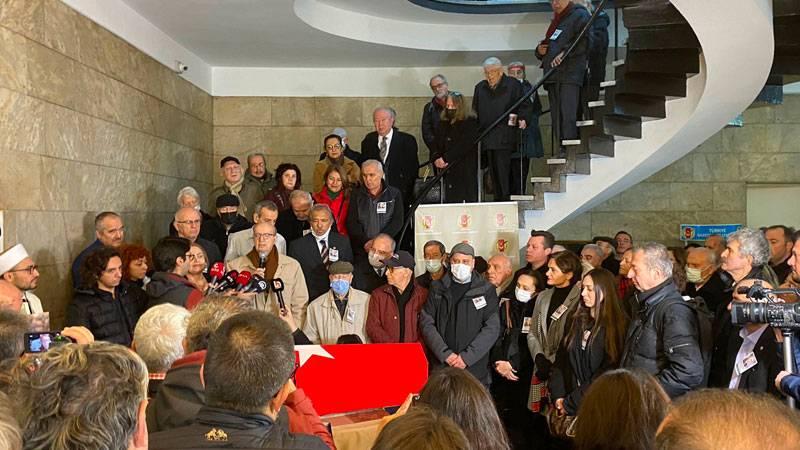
x,y
707,185
89,123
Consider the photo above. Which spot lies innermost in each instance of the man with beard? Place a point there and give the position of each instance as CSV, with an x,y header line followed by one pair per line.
x,y
433,110
17,268
334,155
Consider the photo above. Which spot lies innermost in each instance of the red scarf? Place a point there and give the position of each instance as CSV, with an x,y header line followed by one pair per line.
x,y
557,20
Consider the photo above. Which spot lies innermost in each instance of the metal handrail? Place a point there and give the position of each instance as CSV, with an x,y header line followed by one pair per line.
x,y
547,74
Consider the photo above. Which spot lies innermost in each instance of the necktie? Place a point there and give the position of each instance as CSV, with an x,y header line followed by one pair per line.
x,y
324,251
383,149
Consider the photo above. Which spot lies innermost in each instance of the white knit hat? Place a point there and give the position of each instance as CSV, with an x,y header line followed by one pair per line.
x,y
12,257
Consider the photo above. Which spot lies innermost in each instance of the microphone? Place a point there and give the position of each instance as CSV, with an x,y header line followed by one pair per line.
x,y
242,280
262,260
228,281
277,288
217,271
257,284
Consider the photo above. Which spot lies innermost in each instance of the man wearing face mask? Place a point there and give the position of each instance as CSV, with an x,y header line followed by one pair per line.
x,y
455,143
370,272
394,307
341,310
459,322
435,255
227,221
492,97
704,279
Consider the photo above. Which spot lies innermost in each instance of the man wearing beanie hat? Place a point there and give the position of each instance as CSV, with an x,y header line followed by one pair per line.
x,y
394,307
232,183
341,310
226,221
19,270
459,323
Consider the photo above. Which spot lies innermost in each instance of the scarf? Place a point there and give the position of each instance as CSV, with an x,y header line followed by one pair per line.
x,y
557,18
272,262
332,195
235,189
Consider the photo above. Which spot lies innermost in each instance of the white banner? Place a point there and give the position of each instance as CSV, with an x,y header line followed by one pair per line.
x,y
491,228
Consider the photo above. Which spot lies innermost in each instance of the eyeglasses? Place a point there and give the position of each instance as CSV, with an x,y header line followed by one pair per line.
x,y
332,147
259,236
189,222
28,269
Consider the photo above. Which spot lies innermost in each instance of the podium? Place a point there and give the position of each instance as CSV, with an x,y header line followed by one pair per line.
x,y
355,377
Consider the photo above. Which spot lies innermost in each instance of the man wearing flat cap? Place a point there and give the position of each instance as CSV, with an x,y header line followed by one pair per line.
x,y
233,183
227,221
459,323
18,269
394,307
341,310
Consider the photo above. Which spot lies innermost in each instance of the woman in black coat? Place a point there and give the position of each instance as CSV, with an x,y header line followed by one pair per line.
x,y
105,304
594,343
455,140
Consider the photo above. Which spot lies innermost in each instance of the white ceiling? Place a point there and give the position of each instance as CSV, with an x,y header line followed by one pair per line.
x,y
269,33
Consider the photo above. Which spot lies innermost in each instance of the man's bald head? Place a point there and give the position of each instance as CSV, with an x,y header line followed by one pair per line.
x,y
499,270
187,222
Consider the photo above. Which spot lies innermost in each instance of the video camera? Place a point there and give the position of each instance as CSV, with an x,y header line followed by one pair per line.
x,y
785,316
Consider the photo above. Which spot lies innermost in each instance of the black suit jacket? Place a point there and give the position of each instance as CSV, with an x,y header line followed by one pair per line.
x,y
402,164
289,226
306,252
365,278
759,378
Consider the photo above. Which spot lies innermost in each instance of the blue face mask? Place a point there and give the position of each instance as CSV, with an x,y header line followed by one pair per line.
x,y
340,287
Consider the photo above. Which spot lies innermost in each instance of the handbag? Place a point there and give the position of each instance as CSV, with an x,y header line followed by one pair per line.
x,y
562,427
434,195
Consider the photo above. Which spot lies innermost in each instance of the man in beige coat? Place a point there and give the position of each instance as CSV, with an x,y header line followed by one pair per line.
x,y
265,260
341,310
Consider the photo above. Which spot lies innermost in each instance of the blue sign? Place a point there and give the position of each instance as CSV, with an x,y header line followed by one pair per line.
x,y
701,232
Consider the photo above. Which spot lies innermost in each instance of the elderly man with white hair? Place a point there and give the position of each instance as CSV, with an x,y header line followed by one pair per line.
x,y
491,99
188,197
158,339
375,208
664,337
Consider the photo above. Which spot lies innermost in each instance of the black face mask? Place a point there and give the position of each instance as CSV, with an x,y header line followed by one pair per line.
x,y
450,113
228,218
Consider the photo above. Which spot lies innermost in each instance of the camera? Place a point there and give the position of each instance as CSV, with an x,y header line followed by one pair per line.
x,y
180,67
777,315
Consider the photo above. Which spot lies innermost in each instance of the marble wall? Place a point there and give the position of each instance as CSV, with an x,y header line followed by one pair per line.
x,y
707,185
89,123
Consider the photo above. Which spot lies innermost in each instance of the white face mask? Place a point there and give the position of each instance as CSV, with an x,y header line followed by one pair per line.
x,y
433,265
523,295
694,275
374,260
462,273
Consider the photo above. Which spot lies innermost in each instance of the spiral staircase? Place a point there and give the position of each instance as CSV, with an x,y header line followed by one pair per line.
x,y
690,67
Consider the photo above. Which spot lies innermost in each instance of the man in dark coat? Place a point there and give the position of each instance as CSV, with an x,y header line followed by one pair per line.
x,y
246,384
492,97
375,208
563,87
530,145
227,221
397,151
664,337
459,323
293,223
369,272
432,113
188,222
169,283
318,249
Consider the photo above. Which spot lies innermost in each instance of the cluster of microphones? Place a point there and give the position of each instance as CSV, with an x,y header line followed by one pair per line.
x,y
244,282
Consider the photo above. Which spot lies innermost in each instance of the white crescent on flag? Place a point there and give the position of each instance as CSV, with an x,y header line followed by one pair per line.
x,y
305,352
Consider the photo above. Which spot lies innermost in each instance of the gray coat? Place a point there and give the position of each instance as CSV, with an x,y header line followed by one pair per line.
x,y
546,340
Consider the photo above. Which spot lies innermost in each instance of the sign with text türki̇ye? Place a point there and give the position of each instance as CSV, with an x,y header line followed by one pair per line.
x,y
701,232
355,377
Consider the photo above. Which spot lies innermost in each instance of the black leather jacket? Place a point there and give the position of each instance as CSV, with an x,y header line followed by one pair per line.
x,y
110,319
663,340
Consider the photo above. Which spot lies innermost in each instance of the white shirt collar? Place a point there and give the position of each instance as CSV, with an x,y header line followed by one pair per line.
x,y
324,236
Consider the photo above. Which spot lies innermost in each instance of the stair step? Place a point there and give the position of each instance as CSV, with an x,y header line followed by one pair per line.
x,y
678,61
597,103
622,126
662,37
568,142
557,161
618,63
610,83
584,123
522,198
652,84
649,14
541,179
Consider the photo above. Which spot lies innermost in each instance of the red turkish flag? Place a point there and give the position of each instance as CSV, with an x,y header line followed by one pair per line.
x,y
345,378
